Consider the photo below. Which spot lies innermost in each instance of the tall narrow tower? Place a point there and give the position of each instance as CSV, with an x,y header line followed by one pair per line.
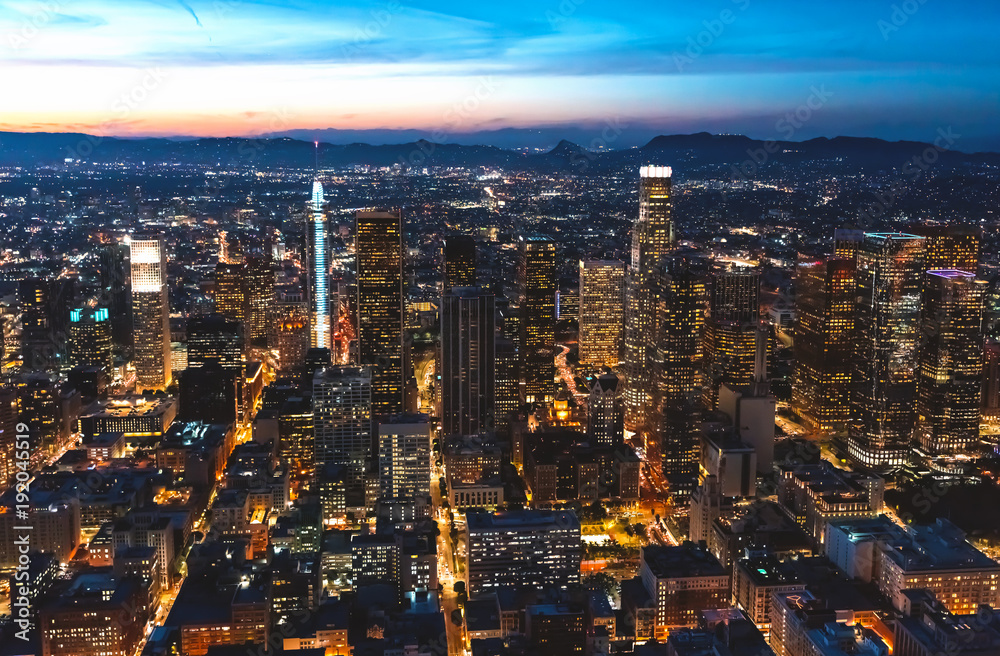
x,y
652,239
379,251
150,311
319,284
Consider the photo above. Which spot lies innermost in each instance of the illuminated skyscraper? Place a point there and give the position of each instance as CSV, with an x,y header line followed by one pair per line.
x,y
290,336
8,435
319,283
404,456
342,419
459,262
731,331
116,291
890,268
379,250
846,242
537,290
652,239
606,411
90,338
150,312
468,361
230,290
951,247
45,304
602,301
951,367
824,347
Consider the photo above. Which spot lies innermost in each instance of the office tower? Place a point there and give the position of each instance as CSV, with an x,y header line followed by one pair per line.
x,y
290,337
507,389
731,331
538,549
949,376
90,338
675,444
231,290
536,277
295,445
459,262
602,301
319,271
8,435
116,291
955,247
682,581
606,411
45,305
379,250
652,239
342,418
259,278
150,312
846,242
990,402
404,456
683,304
468,361
824,307
217,339
890,270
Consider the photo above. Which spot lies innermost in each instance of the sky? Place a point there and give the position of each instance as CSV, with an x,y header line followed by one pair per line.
x,y
894,69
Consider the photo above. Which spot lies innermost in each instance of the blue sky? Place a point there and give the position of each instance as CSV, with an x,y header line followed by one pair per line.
x,y
235,67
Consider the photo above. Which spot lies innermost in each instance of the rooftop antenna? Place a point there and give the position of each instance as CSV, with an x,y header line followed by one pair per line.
x,y
316,151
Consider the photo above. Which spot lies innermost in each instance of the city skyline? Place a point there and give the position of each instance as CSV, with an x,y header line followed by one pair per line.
x,y
728,66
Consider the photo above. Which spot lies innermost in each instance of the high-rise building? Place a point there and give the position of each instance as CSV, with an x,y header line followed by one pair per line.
x,y
468,361
731,331
150,311
536,277
824,307
379,250
682,581
459,262
683,304
846,242
954,247
260,295
290,336
45,305
890,270
90,338
606,411
116,291
949,377
538,549
295,445
990,402
602,300
404,456
342,418
507,389
217,339
652,239
319,271
231,290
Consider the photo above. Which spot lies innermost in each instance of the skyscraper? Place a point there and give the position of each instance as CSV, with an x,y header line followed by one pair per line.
x,y
231,290
319,290
459,262
90,338
731,331
824,300
890,268
259,278
652,239
602,307
468,361
379,251
949,378
951,246
8,435
342,419
606,411
215,339
290,336
45,305
150,311
404,456
116,291
537,294
211,387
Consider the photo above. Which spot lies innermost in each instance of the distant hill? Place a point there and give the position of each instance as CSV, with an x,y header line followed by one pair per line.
x,y
683,152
